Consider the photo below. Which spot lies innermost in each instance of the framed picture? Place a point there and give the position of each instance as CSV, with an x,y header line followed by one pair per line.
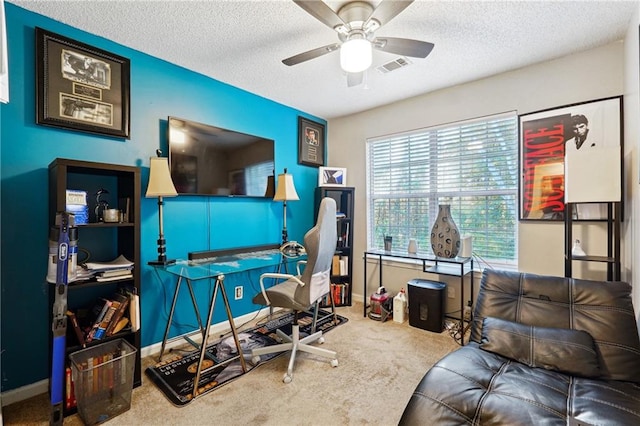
x,y
311,142
332,176
584,133
80,87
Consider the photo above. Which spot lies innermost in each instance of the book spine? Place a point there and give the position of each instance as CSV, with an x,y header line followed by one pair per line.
x,y
96,324
76,328
106,320
134,312
335,266
124,303
69,397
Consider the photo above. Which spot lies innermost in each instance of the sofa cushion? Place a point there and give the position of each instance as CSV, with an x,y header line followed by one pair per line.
x,y
557,349
601,308
475,387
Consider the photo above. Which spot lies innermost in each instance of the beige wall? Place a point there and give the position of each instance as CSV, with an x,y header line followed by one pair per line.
x,y
630,230
589,75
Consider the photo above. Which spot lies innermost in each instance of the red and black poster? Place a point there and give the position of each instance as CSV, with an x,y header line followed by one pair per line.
x,y
543,167
548,138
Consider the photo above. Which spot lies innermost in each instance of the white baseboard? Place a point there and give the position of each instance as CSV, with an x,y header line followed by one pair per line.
x,y
25,392
42,386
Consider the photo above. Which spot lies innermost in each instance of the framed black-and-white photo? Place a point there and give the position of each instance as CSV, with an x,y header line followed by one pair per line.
x,y
311,142
571,154
80,87
332,176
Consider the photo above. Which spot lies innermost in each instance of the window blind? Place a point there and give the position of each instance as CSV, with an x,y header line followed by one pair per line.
x,y
255,175
471,165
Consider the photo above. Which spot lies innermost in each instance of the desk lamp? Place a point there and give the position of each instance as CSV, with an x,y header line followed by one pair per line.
x,y
285,191
160,185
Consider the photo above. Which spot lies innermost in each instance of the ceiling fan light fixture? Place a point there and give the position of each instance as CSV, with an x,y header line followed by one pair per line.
x,y
356,55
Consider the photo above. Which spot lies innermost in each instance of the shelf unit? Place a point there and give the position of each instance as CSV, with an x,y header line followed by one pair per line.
x,y
612,259
342,269
103,241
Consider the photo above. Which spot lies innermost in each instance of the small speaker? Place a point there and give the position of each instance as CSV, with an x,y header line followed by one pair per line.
x,y
426,304
466,246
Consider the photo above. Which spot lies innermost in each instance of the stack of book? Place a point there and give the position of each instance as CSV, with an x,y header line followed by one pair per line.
x,y
106,317
118,269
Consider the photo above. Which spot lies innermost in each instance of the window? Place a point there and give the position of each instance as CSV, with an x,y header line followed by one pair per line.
x,y
471,165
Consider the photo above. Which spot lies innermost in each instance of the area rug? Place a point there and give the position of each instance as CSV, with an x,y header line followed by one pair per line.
x,y
174,376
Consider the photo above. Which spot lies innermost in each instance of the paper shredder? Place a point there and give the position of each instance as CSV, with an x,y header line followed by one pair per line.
x,y
426,304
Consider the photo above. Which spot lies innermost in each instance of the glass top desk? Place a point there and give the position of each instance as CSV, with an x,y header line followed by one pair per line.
x,y
214,269
431,264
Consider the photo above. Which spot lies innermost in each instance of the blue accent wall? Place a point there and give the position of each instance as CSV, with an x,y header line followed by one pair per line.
x,y
158,89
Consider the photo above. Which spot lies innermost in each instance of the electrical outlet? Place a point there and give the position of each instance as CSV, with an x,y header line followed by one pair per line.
x,y
239,292
451,292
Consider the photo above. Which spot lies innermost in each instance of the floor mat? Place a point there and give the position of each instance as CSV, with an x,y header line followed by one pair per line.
x,y
174,375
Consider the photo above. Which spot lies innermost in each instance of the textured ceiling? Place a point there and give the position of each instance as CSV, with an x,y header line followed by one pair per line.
x,y
242,43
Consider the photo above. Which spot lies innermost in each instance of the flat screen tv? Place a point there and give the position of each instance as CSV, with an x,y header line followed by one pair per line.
x,y
209,160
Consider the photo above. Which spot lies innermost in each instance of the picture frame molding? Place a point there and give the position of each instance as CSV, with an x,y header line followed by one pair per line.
x,y
311,154
96,102
565,110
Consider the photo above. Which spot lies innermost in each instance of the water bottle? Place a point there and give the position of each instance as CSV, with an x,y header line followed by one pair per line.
x,y
400,307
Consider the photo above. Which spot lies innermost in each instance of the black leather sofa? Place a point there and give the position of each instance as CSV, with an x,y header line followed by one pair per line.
x,y
542,351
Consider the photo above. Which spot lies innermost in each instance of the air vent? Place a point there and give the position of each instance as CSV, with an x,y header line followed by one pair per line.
x,y
393,65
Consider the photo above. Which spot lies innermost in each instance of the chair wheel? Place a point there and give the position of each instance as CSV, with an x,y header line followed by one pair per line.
x,y
255,360
287,379
321,340
334,362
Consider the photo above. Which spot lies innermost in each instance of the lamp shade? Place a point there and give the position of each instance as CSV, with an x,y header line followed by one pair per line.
x,y
356,55
160,183
593,176
285,190
271,187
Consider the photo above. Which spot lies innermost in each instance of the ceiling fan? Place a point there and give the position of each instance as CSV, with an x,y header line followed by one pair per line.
x,y
356,23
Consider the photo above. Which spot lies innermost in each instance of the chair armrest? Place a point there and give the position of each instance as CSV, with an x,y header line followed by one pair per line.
x,y
276,275
298,264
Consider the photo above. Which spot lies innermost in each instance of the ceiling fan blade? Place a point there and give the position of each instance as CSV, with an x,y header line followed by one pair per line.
x,y
311,54
320,11
354,78
387,10
403,46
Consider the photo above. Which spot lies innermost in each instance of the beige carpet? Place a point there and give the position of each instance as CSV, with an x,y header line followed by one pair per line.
x,y
380,365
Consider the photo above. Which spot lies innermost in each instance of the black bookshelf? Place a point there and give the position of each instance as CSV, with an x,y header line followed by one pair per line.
x,y
105,241
342,268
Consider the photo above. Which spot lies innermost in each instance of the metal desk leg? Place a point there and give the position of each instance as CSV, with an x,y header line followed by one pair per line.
x,y
195,306
233,325
364,293
219,285
173,308
205,338
462,305
380,271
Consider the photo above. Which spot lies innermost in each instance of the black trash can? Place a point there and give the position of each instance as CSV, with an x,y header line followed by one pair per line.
x,y
426,304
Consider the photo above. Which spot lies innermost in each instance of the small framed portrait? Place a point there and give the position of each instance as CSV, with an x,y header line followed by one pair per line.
x,y
311,142
570,154
332,176
80,87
